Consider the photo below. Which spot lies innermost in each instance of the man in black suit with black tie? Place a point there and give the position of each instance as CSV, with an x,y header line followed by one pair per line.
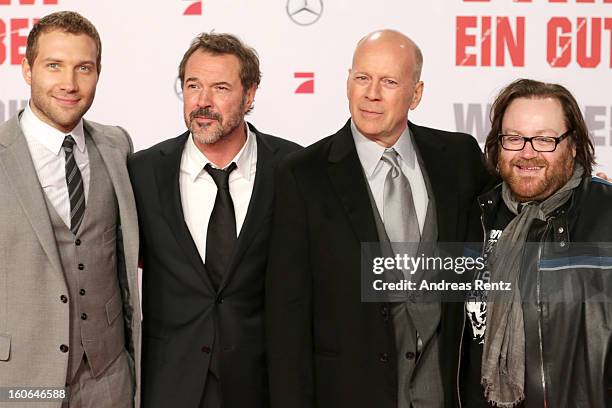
x,y
204,204
378,179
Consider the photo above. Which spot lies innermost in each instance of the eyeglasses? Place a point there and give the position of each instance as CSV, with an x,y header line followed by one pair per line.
x,y
538,143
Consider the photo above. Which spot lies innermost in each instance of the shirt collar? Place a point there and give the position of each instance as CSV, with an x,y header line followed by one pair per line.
x,y
196,160
47,135
370,152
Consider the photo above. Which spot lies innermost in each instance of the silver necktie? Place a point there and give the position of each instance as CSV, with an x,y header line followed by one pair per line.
x,y
399,213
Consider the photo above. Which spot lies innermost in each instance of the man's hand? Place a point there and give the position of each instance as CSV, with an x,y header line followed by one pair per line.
x,y
603,176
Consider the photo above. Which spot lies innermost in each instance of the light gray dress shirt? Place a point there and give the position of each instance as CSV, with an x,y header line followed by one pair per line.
x,y
376,170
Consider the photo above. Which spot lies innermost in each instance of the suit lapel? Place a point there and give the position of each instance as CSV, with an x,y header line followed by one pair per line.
x,y
16,161
114,161
437,160
260,206
167,178
346,175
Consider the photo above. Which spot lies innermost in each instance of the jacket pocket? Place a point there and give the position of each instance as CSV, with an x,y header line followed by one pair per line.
x,y
113,308
5,347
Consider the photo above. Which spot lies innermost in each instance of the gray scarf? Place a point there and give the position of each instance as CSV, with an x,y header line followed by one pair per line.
x,y
503,358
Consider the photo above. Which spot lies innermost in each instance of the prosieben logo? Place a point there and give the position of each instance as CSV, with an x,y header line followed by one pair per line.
x,y
193,9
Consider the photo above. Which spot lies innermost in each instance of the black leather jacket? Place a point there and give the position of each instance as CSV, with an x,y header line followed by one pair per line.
x,y
566,284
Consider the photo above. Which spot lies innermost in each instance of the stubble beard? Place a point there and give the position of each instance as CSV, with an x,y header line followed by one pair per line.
x,y
56,116
206,135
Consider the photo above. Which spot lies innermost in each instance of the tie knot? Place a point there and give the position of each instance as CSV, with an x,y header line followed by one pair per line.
x,y
391,157
220,176
68,143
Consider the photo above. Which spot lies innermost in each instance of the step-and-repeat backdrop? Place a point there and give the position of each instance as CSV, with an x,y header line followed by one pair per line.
x,y
472,48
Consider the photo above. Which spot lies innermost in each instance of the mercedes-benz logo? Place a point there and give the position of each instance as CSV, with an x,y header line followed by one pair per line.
x,y
304,12
178,88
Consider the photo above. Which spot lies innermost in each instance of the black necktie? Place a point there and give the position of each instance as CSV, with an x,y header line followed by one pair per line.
x,y
74,181
221,234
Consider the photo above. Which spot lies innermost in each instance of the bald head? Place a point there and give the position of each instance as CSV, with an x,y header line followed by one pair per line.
x,y
383,85
395,42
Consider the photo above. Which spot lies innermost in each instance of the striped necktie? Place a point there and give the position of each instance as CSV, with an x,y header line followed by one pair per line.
x,y
74,181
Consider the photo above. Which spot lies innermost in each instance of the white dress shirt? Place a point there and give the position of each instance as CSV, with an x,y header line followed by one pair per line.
x,y
370,154
45,145
198,189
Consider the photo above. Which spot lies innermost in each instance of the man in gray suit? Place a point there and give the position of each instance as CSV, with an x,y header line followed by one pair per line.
x,y
69,303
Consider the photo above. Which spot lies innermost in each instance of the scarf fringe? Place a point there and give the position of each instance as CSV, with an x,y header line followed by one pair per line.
x,y
488,389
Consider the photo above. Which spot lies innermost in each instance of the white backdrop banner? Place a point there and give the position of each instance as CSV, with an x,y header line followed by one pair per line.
x,y
472,48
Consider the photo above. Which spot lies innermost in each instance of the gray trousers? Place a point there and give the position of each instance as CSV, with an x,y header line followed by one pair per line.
x,y
113,388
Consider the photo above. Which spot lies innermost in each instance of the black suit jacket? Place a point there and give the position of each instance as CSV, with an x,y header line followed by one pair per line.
x,y
181,309
326,347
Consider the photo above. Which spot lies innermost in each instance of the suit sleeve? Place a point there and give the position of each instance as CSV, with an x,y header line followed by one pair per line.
x,y
485,181
133,173
128,140
289,299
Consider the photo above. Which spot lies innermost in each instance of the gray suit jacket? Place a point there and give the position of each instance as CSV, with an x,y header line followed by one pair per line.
x,y
33,320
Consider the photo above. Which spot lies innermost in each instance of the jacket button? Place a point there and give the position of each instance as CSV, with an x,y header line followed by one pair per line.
x,y
84,316
64,299
205,349
77,242
561,230
81,267
64,348
384,357
82,292
384,311
410,355
562,244
219,300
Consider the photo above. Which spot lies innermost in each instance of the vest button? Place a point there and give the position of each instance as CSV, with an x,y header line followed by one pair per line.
x,y
64,299
84,316
64,348
77,242
410,355
82,292
384,357
81,267
219,300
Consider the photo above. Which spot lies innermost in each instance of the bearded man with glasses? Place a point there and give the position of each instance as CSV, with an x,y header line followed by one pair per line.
x,y
548,227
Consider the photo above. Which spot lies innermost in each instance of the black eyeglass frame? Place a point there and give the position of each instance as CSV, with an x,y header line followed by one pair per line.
x,y
529,139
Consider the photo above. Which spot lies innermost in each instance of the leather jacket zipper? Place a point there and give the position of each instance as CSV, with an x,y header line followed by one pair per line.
x,y
539,302
484,242
459,363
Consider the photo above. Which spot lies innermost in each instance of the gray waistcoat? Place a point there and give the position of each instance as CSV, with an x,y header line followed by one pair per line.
x,y
420,387
90,268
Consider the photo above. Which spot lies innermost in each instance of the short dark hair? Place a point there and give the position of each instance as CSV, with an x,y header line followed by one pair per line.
x,y
219,44
528,88
68,22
